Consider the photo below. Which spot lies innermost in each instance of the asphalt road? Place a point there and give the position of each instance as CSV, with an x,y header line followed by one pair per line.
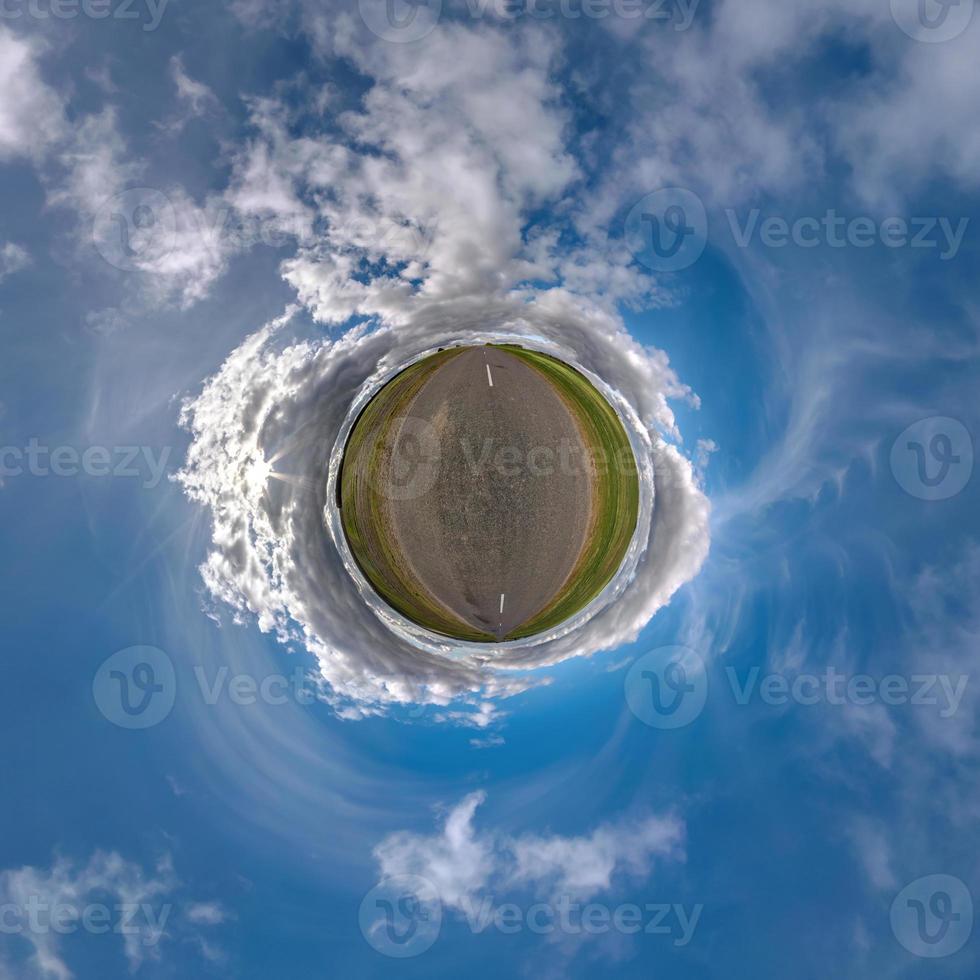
x,y
494,524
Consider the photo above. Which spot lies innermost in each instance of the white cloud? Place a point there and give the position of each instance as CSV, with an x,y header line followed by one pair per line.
x,y
200,247
13,258
488,742
84,165
207,913
104,323
946,646
914,122
455,143
94,164
138,904
195,98
262,13
870,843
462,862
65,883
586,866
714,109
31,113
458,861
95,169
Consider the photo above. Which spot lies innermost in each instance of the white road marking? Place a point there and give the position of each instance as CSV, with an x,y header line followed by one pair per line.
x,y
489,376
501,603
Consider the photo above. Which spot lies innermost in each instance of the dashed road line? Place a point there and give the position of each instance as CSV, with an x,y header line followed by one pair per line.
x,y
489,376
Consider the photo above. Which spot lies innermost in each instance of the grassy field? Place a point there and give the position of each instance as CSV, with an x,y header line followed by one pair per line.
x,y
364,514
617,493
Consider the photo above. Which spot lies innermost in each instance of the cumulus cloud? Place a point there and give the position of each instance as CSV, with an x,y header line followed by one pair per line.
x,y
461,861
426,189
458,861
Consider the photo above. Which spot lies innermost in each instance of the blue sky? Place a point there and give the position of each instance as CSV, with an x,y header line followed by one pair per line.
x,y
755,222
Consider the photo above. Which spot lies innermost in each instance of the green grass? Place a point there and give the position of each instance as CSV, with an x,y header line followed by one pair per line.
x,y
362,507
617,493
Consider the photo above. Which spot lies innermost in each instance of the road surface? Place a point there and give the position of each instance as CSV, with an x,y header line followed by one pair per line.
x,y
493,531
